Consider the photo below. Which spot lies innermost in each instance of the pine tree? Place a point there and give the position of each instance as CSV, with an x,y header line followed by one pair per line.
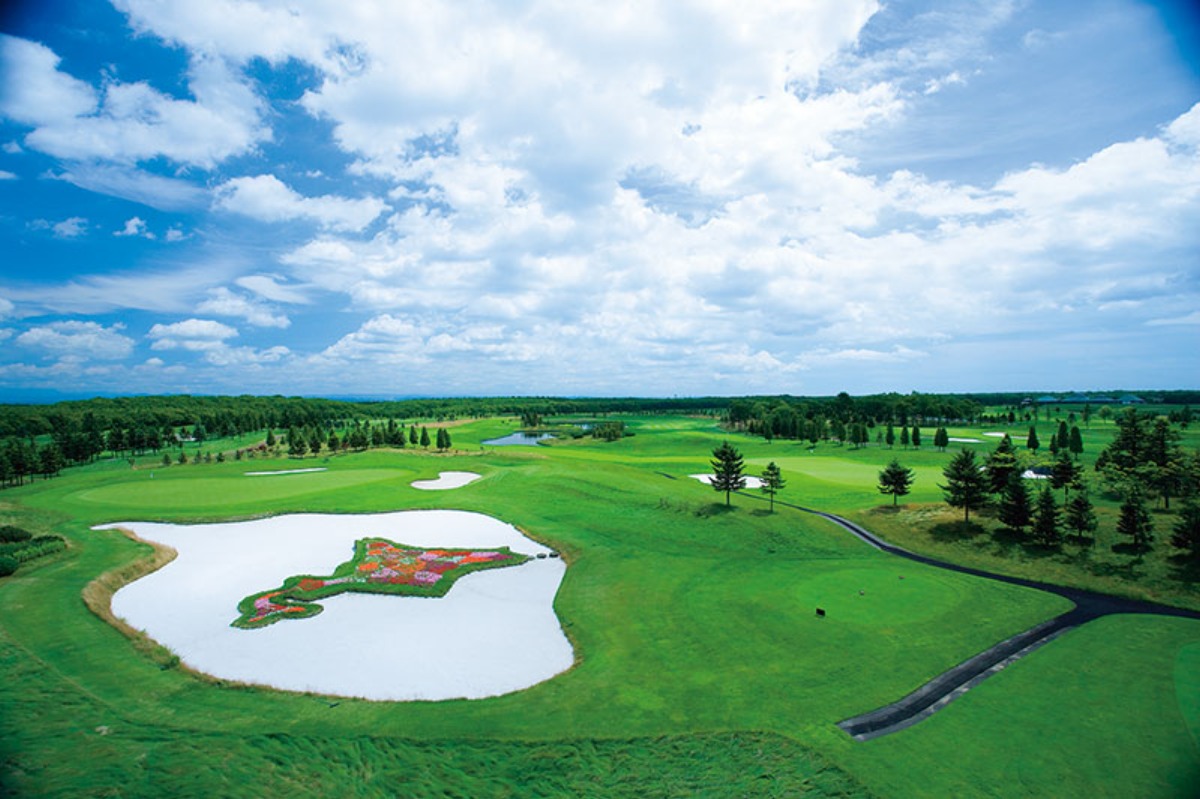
x,y
941,439
425,437
1185,534
412,435
964,486
1134,520
297,445
1081,516
1016,509
904,437
1001,465
916,437
1046,519
727,470
1064,437
1064,474
896,480
1031,442
1076,443
890,437
772,482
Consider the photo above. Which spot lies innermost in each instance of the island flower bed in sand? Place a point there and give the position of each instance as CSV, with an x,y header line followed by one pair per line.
x,y
446,480
378,567
494,633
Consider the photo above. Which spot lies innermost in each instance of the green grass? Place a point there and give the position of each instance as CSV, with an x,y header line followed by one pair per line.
x,y
703,669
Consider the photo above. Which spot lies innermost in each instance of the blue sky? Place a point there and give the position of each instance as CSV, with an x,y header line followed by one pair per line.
x,y
388,199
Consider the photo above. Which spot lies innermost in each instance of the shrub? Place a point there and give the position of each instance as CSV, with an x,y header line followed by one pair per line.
x,y
8,565
9,533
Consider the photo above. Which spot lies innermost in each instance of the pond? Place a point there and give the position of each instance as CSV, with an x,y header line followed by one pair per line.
x,y
493,633
519,439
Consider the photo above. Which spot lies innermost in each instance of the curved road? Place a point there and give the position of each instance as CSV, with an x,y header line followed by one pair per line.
x,y
949,685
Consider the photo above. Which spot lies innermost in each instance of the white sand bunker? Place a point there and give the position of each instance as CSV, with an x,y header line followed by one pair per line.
x,y
963,440
751,482
996,435
287,471
494,632
446,480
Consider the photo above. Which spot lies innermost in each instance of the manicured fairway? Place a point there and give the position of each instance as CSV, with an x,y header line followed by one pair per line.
x,y
700,654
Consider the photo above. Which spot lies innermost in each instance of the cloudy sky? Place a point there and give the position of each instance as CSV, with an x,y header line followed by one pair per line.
x,y
648,198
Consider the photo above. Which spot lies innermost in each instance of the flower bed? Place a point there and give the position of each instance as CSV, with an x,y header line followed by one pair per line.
x,y
379,566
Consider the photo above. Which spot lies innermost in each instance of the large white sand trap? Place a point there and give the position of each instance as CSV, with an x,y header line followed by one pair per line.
x,y
287,471
495,631
954,440
446,480
751,482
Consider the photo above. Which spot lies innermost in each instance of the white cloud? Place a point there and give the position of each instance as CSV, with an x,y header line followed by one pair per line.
x,y
6,308
78,341
134,226
270,287
156,191
223,302
266,198
196,335
71,228
128,122
6,175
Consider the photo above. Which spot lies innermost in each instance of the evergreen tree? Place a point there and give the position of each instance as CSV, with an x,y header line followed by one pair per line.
x,y
443,439
1064,437
916,437
1076,443
904,437
964,486
1001,465
166,461
1185,534
772,482
297,445
727,470
333,443
896,480
1134,519
271,442
941,439
1016,509
1046,519
890,437
1031,442
1081,516
1064,474
412,435
425,437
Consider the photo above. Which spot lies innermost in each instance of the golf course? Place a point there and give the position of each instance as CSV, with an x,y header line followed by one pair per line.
x,y
701,664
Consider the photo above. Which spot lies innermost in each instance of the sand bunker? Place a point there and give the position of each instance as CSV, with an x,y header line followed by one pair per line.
x,y
996,435
495,632
288,471
446,480
751,482
963,440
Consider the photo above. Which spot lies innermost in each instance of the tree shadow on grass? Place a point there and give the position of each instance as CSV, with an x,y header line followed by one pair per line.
x,y
1185,568
950,532
714,509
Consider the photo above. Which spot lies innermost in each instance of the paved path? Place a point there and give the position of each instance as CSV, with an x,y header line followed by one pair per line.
x,y
949,685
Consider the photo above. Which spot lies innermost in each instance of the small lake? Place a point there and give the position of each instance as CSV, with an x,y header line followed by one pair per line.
x,y
518,439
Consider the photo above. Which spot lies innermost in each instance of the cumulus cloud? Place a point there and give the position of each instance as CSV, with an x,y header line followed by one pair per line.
x,y
267,198
70,228
134,226
223,302
196,335
127,122
78,341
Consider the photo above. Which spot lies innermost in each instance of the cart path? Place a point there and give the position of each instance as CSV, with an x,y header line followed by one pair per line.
x,y
949,685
